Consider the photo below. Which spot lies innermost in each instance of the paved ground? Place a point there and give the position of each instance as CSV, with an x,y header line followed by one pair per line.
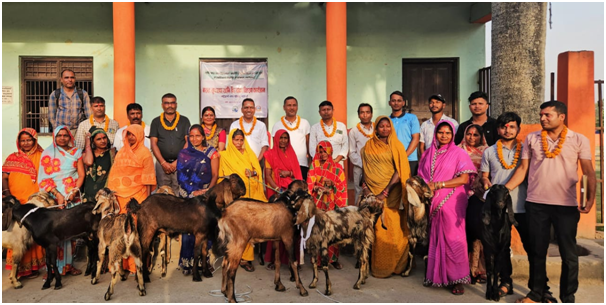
x,y
176,288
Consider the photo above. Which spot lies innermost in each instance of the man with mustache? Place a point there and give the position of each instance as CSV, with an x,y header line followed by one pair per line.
x,y
134,114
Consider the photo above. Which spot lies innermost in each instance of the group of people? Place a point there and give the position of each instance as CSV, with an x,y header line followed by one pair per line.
x,y
458,162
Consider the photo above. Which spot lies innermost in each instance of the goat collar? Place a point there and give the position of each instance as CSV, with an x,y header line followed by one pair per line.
x,y
28,213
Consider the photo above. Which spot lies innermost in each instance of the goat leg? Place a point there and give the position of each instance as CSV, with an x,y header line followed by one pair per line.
x,y
224,266
197,251
231,276
51,260
101,255
91,259
13,275
412,258
294,266
205,267
141,283
262,247
116,264
277,265
328,283
314,264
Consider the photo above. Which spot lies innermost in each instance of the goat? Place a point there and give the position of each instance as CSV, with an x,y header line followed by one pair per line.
x,y
419,200
342,226
497,217
196,215
251,221
119,233
17,238
162,248
49,227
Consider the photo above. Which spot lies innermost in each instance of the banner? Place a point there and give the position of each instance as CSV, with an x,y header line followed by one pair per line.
x,y
224,85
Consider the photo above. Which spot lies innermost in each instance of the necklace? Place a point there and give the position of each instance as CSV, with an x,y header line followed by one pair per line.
x,y
212,132
516,157
142,124
362,131
106,122
288,128
334,128
558,148
174,124
251,129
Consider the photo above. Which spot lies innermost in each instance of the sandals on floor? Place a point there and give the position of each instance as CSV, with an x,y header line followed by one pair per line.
x,y
458,291
74,271
247,266
508,291
337,265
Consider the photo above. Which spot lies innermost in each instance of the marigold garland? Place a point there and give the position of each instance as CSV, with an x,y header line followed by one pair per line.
x,y
334,128
361,131
92,123
174,124
516,157
212,132
558,148
251,129
288,128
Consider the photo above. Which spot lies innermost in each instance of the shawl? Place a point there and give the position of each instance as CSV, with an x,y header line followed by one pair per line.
x,y
59,167
20,162
283,161
233,161
194,170
319,173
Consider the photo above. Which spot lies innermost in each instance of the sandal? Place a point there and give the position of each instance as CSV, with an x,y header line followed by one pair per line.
x,y
508,289
458,289
525,300
548,297
482,278
337,265
247,266
74,271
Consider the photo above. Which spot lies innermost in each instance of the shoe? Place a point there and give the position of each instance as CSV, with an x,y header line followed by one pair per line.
x,y
247,266
74,271
337,265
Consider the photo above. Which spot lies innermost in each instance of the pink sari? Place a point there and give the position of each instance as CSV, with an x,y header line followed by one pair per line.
x,y
448,262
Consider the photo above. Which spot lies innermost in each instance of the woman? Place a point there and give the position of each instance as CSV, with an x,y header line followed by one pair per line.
x,y
20,179
385,165
98,159
240,159
281,168
328,186
474,143
62,174
215,136
197,171
446,168
133,174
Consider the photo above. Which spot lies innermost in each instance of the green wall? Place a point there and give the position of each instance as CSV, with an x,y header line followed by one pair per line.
x,y
171,38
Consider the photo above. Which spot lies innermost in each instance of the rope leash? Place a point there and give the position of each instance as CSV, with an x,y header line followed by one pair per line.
x,y
243,297
327,296
267,186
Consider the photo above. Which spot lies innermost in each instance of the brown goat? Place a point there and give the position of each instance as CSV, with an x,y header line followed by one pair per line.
x,y
419,198
251,221
119,233
162,249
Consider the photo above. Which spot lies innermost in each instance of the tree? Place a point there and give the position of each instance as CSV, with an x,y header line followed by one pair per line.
x,y
518,59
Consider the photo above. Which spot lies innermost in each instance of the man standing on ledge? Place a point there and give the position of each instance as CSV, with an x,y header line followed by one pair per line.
x,y
478,105
70,108
100,120
407,128
330,130
167,135
298,129
254,130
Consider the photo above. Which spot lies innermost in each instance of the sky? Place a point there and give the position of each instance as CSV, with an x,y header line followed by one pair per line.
x,y
576,26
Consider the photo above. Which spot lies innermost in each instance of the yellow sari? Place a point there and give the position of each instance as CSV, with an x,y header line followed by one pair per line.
x,y
380,162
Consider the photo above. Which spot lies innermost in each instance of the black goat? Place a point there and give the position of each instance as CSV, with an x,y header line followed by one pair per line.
x,y
497,217
419,200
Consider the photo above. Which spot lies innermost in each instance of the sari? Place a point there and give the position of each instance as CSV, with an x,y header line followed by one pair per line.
x,y
447,260
380,162
337,195
59,169
96,174
22,170
475,153
235,162
217,137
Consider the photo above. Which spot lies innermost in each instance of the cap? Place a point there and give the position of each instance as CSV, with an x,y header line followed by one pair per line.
x,y
437,97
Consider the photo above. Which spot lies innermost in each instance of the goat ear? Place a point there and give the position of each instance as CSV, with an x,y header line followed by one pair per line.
x,y
96,208
227,195
413,197
116,204
510,213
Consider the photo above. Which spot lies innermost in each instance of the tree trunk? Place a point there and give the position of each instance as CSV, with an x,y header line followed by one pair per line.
x,y
518,59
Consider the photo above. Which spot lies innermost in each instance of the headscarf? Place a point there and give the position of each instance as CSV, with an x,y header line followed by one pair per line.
x,y
94,131
283,161
193,166
319,173
19,162
475,153
59,167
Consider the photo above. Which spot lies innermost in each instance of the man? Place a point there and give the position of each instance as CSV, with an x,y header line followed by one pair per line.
x,y
167,136
298,129
69,109
478,105
436,106
254,130
407,128
134,112
100,120
550,159
330,130
357,139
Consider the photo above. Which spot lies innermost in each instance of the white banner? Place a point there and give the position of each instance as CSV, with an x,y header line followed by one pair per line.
x,y
226,84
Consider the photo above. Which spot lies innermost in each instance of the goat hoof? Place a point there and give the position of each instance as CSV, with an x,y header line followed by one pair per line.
x,y
292,278
207,273
280,287
197,279
356,287
44,287
327,292
93,281
107,296
312,285
142,292
57,287
18,285
304,293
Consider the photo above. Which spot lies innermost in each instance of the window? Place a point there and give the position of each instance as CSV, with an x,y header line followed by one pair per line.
x,y
40,76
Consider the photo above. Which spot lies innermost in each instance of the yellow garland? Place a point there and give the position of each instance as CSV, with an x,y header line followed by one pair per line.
x,y
366,135
334,128
142,124
516,157
174,124
251,129
212,132
288,128
558,148
106,122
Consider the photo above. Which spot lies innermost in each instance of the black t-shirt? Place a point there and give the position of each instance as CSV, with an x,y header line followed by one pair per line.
x,y
170,142
490,131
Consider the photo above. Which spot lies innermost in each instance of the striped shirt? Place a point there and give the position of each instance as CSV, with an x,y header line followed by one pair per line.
x,y
68,111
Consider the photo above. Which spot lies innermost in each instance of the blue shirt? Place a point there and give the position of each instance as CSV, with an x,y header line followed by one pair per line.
x,y
406,125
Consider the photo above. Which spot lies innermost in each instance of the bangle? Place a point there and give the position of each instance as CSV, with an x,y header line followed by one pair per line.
x,y
385,193
443,184
162,163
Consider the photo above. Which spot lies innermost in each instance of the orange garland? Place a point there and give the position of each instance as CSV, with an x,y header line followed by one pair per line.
x,y
251,129
174,124
516,157
558,148
334,128
106,122
288,128
361,131
212,132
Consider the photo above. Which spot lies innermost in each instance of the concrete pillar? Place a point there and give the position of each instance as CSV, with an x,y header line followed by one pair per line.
x,y
336,58
124,59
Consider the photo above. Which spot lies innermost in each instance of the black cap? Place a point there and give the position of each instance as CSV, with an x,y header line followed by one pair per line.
x,y
436,97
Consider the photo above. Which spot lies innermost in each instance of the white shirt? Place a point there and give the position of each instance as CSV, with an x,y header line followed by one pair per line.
x,y
297,137
257,139
427,129
356,141
339,141
118,141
